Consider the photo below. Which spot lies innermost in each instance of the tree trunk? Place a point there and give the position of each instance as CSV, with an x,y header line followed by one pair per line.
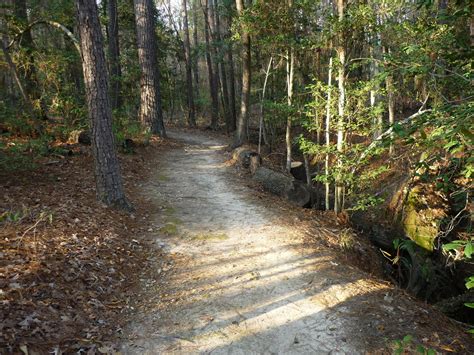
x,y
230,59
240,134
328,137
210,68
189,78
151,112
107,170
196,48
290,69
341,53
114,54
264,89
223,73
391,107
214,52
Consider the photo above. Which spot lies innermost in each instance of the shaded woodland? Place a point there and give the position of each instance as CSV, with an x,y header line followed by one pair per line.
x,y
363,110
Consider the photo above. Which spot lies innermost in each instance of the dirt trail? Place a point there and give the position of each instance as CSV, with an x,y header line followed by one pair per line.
x,y
244,283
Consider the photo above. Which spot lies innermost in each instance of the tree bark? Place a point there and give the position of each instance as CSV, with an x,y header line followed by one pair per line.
x,y
107,170
196,50
210,69
151,111
341,53
189,77
328,137
223,73
290,69
240,134
210,21
114,54
231,79
391,107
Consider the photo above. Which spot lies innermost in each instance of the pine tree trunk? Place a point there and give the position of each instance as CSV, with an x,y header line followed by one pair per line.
x,y
215,60
210,69
107,170
196,47
240,134
189,77
114,54
151,112
223,72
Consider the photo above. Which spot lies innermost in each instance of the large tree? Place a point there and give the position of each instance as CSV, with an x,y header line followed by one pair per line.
x,y
151,112
107,170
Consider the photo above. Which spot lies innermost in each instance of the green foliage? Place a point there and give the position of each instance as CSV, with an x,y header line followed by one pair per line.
x,y
406,345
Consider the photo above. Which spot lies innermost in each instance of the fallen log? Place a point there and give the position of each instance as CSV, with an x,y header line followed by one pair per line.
x,y
283,185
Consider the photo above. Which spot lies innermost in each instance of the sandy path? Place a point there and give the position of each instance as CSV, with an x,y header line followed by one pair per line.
x,y
247,286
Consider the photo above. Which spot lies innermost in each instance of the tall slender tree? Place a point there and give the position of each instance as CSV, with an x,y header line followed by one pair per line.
x,y
211,67
341,77
151,111
241,134
222,67
189,77
115,69
109,185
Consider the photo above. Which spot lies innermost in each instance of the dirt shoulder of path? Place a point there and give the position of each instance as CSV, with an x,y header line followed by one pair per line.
x,y
69,266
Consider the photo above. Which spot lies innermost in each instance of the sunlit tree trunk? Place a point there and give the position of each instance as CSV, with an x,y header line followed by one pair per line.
x,y
327,133
189,77
107,170
290,70
341,54
391,107
114,54
151,112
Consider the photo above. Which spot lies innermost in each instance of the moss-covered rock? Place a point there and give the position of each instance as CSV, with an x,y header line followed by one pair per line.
x,y
422,217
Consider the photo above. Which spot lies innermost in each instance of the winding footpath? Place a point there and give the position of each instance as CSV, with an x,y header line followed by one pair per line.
x,y
245,283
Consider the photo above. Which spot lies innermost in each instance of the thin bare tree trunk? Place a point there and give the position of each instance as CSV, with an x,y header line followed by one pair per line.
x,y
341,53
290,69
196,49
151,111
107,170
261,125
210,68
223,72
189,78
391,107
328,137
240,134
231,79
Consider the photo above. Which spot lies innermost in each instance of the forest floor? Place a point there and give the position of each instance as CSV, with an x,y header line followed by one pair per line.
x,y
250,273
207,262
